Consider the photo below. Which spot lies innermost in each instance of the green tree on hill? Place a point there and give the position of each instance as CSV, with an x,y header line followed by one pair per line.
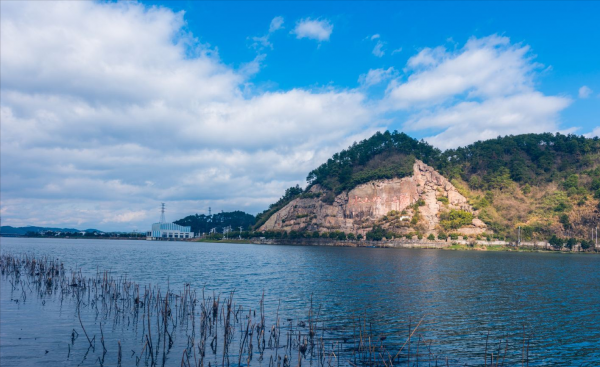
x,y
454,219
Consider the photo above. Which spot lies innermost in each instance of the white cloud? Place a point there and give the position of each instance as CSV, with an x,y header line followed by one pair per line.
x,y
594,133
319,30
379,44
470,121
108,109
276,24
376,76
585,92
378,49
482,90
262,42
398,50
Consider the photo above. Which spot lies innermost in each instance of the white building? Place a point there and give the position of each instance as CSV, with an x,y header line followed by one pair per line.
x,y
168,231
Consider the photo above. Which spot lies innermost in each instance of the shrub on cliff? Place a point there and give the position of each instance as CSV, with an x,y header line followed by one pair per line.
x,y
454,219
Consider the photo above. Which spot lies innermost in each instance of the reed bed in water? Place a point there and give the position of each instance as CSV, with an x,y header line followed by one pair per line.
x,y
216,331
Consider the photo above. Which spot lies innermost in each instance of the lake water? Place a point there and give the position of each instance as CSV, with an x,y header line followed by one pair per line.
x,y
462,296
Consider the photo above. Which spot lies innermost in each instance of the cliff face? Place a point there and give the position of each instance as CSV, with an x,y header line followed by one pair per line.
x,y
366,205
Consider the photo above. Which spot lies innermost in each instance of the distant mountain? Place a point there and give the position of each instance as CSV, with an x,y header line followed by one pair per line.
x,y
23,230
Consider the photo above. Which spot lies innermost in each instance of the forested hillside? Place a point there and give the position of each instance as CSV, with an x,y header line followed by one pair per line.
x,y
549,184
201,223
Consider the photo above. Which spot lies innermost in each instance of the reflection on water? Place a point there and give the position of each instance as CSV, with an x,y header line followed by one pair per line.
x,y
463,295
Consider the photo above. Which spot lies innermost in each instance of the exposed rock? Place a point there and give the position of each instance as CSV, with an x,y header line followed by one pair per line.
x,y
358,210
478,223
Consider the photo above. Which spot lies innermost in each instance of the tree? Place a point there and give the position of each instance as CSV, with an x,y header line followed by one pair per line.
x,y
556,242
571,242
376,234
571,182
431,237
359,237
585,244
351,236
564,220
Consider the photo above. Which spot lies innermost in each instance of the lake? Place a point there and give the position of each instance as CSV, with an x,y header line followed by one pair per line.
x,y
553,299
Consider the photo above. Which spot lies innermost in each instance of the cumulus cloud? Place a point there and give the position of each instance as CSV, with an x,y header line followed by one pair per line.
x,y
315,29
482,90
470,121
585,92
108,109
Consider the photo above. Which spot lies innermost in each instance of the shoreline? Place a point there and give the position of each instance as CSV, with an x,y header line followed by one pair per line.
x,y
457,245
409,244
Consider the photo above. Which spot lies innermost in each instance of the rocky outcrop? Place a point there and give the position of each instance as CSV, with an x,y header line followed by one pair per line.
x,y
389,203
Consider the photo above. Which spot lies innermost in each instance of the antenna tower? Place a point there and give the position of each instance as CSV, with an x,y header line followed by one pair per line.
x,y
162,213
209,211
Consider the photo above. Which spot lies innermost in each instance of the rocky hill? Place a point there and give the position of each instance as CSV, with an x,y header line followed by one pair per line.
x,y
546,184
399,205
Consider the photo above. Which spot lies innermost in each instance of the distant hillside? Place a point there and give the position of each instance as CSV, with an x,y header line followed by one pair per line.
x,y
549,184
23,230
201,223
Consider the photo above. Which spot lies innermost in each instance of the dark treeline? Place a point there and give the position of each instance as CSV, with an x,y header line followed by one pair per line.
x,y
527,159
201,223
384,155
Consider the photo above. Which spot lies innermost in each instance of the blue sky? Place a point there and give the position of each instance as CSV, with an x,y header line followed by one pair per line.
x,y
563,35
109,108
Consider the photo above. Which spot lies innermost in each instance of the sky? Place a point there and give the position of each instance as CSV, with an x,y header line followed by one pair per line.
x,y
108,109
